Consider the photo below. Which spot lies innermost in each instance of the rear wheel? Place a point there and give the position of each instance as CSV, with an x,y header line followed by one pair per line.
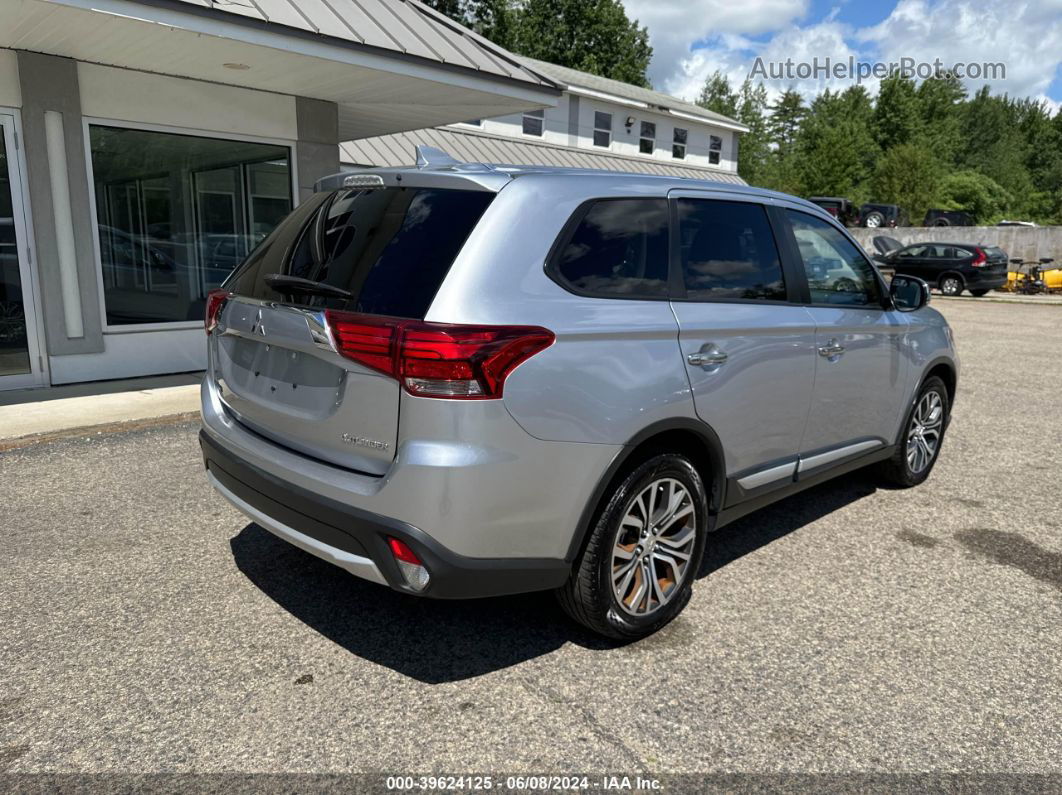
x,y
919,444
644,551
874,220
978,293
951,284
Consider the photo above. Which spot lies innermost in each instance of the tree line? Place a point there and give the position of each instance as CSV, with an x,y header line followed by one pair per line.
x,y
921,146
593,36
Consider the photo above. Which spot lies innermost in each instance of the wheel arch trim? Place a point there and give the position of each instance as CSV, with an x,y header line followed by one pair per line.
x,y
716,488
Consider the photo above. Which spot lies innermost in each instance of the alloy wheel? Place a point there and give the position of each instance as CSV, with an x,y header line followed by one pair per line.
x,y
653,547
951,286
923,435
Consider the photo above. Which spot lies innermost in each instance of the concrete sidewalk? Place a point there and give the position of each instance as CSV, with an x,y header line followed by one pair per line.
x,y
31,415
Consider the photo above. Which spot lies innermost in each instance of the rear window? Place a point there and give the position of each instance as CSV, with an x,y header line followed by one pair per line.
x,y
391,248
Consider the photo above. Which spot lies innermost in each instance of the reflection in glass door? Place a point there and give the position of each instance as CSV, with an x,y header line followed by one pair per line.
x,y
18,344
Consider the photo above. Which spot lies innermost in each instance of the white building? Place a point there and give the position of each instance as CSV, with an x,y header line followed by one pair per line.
x,y
146,146
597,123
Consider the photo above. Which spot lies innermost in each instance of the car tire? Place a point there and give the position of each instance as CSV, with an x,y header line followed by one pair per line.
x,y
874,220
951,284
908,467
619,607
978,293
942,222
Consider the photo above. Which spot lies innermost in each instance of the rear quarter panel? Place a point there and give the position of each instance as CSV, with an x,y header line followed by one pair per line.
x,y
615,367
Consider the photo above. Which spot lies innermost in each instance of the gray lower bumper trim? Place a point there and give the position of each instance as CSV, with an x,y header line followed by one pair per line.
x,y
355,564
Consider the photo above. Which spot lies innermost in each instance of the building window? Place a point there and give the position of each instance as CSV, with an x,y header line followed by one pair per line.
x,y
678,145
175,215
602,128
534,120
474,122
715,148
647,141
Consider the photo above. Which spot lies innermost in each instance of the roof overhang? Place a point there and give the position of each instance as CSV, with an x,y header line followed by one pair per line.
x,y
378,91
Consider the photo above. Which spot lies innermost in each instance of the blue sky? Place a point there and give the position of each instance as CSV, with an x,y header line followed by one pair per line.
x,y
693,38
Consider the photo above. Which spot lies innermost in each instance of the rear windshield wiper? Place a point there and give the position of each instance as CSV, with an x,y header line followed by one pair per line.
x,y
283,283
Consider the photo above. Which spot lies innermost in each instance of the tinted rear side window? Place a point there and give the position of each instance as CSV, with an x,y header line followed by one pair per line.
x,y
618,249
391,248
728,251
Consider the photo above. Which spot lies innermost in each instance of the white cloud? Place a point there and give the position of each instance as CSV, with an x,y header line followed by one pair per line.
x,y
1026,37
674,25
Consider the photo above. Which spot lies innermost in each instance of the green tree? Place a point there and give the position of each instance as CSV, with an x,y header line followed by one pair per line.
x,y
897,115
787,114
716,95
974,193
754,147
593,36
940,101
908,175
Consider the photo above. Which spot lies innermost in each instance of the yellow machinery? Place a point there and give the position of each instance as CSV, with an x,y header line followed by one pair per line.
x,y
1030,276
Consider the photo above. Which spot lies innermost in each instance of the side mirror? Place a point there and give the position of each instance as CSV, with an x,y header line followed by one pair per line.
x,y
908,293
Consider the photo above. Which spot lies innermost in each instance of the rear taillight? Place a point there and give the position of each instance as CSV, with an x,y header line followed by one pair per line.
x,y
439,360
980,260
215,300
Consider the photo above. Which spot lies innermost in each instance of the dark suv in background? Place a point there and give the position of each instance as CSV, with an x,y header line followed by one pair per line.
x,y
951,267
948,218
840,208
875,216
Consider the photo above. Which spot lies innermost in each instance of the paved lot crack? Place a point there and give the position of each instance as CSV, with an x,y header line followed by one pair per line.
x,y
602,732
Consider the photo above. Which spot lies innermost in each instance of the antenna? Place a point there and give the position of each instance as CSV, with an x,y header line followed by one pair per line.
x,y
430,157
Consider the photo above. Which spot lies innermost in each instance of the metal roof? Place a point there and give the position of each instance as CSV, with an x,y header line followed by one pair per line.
x,y
478,147
401,27
572,78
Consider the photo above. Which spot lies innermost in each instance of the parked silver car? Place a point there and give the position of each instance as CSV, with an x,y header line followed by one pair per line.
x,y
466,380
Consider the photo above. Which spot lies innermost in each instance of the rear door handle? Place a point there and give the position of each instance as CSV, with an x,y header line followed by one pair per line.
x,y
708,356
831,349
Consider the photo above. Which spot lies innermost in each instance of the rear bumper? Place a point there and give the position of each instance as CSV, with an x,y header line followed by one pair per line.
x,y
985,281
356,539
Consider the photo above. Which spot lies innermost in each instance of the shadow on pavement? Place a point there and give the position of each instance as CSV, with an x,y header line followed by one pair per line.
x,y
426,639
438,641
761,527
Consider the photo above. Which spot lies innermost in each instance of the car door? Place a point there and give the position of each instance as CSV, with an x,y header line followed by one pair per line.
x,y
860,369
748,350
911,261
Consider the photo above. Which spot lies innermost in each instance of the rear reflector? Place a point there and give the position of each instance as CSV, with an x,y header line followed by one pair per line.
x,y
413,571
215,300
441,360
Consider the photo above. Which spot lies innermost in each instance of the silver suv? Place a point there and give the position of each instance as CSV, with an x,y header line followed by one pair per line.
x,y
464,380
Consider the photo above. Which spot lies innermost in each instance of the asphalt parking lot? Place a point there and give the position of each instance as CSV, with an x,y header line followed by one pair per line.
x,y
148,627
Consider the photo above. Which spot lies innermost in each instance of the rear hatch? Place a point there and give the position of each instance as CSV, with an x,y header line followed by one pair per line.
x,y
380,252
997,260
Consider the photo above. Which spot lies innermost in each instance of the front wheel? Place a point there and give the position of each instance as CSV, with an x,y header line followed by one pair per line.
x,y
637,570
919,444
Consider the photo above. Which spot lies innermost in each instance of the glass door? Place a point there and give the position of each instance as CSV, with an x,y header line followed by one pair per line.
x,y
19,360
